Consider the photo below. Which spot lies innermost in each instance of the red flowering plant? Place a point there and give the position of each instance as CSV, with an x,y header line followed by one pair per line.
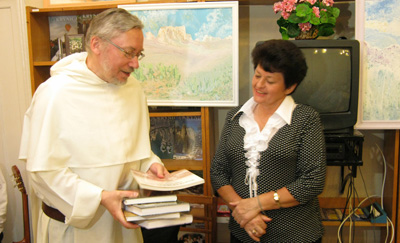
x,y
297,16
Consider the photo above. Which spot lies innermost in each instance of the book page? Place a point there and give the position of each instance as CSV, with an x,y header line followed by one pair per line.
x,y
174,181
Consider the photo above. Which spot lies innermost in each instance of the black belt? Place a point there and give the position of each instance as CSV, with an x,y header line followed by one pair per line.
x,y
53,213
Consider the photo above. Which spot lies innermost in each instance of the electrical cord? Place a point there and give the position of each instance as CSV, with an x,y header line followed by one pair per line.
x,y
382,193
352,192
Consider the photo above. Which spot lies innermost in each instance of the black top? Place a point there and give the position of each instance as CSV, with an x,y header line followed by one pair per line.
x,y
295,159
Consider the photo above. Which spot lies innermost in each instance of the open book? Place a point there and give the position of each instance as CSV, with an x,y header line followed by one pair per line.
x,y
176,180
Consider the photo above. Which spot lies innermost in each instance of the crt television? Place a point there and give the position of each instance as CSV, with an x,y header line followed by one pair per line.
x,y
332,82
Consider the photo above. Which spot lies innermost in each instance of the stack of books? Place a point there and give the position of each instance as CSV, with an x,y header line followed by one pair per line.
x,y
163,210
157,211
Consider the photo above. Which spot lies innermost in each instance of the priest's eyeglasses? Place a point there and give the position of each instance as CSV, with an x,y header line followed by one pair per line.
x,y
128,55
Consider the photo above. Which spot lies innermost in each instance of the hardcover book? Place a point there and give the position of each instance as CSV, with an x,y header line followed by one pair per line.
x,y
151,199
131,217
159,223
60,26
176,180
158,208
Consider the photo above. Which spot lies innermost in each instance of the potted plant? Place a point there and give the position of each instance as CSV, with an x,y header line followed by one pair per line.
x,y
306,19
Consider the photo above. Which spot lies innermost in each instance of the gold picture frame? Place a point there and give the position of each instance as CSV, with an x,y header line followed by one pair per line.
x,y
80,3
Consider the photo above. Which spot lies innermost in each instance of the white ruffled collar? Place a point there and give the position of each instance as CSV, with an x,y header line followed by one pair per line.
x,y
256,141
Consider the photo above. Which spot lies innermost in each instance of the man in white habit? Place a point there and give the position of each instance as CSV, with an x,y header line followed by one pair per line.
x,y
87,126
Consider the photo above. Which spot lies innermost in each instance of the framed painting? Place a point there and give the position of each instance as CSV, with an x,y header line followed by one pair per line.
x,y
191,53
77,3
379,36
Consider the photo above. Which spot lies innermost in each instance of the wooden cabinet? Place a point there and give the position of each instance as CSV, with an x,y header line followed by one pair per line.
x,y
391,190
204,211
39,56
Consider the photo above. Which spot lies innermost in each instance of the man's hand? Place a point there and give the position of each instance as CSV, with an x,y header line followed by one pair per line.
x,y
158,170
257,227
112,201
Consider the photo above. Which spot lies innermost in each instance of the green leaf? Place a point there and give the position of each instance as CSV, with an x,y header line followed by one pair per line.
x,y
285,36
293,30
331,20
315,20
282,22
325,30
324,17
293,18
303,10
335,12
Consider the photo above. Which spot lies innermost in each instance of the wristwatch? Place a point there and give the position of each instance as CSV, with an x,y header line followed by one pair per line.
x,y
276,198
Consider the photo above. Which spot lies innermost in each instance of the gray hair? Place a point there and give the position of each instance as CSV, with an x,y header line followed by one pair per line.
x,y
111,23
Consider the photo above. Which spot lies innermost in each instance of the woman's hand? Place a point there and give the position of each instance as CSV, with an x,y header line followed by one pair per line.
x,y
257,227
245,210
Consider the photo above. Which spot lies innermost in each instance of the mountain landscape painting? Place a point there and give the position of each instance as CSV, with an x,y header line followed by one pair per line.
x,y
191,53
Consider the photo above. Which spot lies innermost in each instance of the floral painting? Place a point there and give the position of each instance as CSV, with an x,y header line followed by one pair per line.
x,y
191,53
379,32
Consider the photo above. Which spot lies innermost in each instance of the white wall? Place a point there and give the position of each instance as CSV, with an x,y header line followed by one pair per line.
x,y
14,99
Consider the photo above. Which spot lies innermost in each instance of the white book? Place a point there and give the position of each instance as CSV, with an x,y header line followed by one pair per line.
x,y
158,208
151,199
176,180
159,223
131,217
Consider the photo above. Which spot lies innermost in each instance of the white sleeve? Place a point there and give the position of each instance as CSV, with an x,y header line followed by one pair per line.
x,y
146,163
3,201
77,199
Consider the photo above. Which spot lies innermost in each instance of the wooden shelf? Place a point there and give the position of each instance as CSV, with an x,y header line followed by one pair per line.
x,y
176,164
355,223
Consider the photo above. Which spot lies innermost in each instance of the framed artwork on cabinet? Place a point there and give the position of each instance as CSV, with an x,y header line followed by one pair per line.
x,y
191,53
379,37
176,137
74,43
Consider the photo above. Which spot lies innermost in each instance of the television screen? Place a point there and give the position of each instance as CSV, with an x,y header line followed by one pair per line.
x,y
332,81
327,85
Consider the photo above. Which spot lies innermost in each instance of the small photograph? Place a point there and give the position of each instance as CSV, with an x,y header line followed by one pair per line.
x,y
185,237
74,43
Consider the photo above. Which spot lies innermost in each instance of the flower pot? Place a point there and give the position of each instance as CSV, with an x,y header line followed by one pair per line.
x,y
311,34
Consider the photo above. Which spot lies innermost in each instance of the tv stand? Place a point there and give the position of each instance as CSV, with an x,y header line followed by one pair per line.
x,y
344,149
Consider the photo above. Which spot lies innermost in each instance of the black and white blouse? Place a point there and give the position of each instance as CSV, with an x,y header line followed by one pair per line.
x,y
294,158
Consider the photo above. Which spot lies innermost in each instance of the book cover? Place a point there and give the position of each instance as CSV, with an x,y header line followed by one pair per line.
x,y
330,214
159,223
131,217
158,208
84,22
184,236
162,136
151,199
176,180
60,26
188,138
